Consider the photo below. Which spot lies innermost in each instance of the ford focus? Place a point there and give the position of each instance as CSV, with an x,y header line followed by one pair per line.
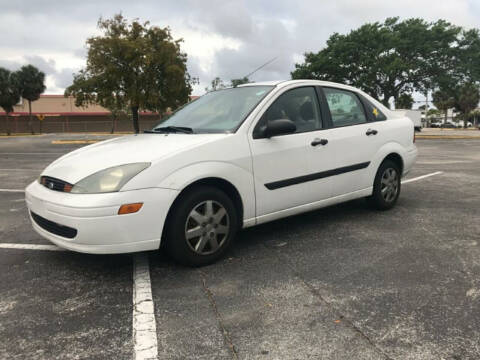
x,y
231,159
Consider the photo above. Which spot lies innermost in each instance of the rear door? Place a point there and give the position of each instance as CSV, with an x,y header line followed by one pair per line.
x,y
354,138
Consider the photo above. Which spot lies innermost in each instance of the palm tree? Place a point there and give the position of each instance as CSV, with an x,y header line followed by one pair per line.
x,y
32,84
9,93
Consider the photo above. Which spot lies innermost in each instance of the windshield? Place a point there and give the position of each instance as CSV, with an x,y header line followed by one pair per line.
x,y
218,111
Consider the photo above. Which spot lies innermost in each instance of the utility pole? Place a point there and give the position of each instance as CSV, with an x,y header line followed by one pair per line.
x,y
426,107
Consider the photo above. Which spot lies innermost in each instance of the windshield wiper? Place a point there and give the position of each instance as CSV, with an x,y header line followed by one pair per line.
x,y
170,129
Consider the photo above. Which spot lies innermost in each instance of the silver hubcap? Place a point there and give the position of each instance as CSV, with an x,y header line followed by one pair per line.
x,y
389,184
207,227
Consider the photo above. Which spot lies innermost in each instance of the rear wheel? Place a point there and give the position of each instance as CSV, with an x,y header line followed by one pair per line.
x,y
201,227
386,187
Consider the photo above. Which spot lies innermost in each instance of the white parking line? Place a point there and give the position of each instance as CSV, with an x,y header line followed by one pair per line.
x,y
144,326
12,190
422,177
30,247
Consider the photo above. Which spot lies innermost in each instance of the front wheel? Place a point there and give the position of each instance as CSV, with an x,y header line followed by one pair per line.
x,y
201,227
386,187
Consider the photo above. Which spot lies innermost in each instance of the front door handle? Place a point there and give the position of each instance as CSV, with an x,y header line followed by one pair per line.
x,y
317,141
371,132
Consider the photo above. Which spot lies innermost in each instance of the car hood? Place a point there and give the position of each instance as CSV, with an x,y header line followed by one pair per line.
x,y
85,161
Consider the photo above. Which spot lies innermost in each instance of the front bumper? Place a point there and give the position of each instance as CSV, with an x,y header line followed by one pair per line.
x,y
100,230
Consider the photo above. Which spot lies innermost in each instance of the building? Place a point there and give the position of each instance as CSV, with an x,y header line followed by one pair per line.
x,y
56,113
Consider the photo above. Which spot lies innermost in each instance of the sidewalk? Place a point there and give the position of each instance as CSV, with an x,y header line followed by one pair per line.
x,y
433,133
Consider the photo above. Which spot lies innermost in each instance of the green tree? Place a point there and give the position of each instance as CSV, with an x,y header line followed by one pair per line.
x,y
117,106
404,101
9,93
236,82
433,112
133,65
386,59
32,85
443,100
467,99
216,84
468,64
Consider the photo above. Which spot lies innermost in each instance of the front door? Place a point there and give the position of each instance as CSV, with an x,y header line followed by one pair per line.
x,y
281,163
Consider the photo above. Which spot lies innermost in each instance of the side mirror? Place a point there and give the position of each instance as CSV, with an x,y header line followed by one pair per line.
x,y
279,127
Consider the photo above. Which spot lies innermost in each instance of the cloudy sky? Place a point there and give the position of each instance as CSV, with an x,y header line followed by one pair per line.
x,y
222,38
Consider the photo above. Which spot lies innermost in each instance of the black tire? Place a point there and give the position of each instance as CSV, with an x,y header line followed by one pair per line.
x,y
378,199
181,219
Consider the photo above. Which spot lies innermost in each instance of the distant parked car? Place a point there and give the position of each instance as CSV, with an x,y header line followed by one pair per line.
x,y
436,125
448,126
461,124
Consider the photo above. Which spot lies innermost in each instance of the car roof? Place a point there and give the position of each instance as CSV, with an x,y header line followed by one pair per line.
x,y
283,83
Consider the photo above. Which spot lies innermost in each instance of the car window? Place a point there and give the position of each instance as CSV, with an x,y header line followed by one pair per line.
x,y
299,105
345,107
377,115
218,111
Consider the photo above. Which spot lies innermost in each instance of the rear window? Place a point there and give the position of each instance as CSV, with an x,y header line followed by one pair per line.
x,y
345,107
374,111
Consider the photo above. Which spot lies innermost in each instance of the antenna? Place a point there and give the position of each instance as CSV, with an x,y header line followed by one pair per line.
x,y
261,67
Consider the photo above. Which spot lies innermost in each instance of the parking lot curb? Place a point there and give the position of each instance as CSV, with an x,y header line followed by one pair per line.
x,y
447,137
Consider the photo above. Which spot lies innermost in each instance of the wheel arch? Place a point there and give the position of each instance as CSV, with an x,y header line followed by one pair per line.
x,y
393,151
226,186
396,158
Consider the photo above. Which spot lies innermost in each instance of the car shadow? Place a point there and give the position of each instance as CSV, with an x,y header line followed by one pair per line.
x,y
274,233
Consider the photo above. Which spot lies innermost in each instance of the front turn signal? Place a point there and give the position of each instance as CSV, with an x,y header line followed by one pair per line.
x,y
129,208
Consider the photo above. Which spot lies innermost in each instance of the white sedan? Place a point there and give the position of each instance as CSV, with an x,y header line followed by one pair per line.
x,y
233,158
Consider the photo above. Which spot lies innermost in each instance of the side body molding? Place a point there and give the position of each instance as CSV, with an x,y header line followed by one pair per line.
x,y
315,176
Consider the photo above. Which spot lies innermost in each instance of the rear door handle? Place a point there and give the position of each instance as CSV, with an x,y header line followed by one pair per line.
x,y
371,132
317,141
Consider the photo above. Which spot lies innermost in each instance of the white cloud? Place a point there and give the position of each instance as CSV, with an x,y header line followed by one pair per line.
x,y
226,38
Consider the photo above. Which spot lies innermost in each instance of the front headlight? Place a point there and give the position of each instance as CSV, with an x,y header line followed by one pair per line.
x,y
108,180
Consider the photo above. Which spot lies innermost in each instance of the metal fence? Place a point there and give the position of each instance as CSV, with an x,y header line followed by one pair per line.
x,y
19,124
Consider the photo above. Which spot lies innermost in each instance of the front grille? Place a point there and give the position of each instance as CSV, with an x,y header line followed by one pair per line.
x,y
54,228
55,184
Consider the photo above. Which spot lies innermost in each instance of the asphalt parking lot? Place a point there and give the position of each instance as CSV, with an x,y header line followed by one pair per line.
x,y
344,282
